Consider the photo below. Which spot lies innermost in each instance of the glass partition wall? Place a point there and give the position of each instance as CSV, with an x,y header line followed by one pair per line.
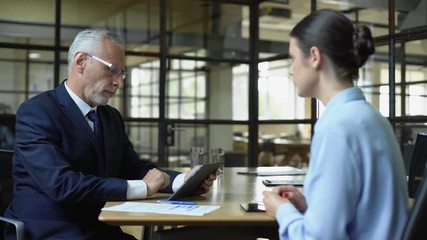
x,y
214,73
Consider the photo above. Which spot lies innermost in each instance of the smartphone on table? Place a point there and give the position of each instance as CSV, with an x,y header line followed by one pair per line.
x,y
253,207
278,182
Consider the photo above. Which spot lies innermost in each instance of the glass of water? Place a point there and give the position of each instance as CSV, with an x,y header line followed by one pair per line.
x,y
217,156
196,156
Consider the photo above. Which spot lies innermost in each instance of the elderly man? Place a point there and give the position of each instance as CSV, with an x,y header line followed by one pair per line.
x,y
72,153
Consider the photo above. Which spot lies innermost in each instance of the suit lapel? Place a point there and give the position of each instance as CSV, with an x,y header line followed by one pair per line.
x,y
72,112
107,137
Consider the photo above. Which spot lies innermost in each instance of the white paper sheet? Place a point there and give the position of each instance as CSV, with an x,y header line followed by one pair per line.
x,y
162,208
276,171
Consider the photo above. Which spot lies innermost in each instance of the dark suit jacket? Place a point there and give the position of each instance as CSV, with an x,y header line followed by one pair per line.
x,y
61,180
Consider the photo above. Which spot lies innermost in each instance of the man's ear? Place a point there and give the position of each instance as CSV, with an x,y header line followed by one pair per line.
x,y
80,61
316,57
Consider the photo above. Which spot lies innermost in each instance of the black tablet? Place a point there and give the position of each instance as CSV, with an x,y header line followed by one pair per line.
x,y
194,182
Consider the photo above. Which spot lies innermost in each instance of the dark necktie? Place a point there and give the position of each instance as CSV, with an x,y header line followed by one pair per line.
x,y
98,133
96,125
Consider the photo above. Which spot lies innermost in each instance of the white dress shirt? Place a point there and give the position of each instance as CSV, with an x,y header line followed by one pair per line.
x,y
355,185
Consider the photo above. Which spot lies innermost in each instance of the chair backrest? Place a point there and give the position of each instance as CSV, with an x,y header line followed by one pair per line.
x,y
418,163
6,182
14,227
407,152
417,221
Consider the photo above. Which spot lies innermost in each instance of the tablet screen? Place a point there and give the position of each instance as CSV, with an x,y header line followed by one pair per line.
x,y
194,182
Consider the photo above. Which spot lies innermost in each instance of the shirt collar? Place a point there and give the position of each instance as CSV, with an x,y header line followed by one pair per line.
x,y
82,105
347,95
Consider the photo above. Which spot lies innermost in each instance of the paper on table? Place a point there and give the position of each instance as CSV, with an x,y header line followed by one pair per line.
x,y
276,171
160,208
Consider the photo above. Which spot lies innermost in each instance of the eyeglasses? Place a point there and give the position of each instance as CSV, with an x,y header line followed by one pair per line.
x,y
113,68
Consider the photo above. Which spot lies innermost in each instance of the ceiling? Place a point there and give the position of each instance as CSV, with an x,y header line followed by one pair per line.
x,y
224,23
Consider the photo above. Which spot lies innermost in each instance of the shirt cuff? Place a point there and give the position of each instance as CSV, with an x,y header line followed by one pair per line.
x,y
286,215
284,210
178,182
137,189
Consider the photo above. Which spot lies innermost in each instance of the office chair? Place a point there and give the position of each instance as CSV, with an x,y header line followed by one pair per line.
x,y
6,189
407,151
416,225
417,164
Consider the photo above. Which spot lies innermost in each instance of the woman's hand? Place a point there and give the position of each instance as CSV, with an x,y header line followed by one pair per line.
x,y
282,194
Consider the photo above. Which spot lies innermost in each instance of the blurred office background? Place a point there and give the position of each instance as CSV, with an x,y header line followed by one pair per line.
x,y
214,73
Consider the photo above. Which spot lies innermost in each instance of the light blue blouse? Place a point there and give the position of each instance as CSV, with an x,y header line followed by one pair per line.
x,y
355,186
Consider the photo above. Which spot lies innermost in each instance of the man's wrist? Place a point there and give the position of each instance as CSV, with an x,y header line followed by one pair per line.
x,y
137,189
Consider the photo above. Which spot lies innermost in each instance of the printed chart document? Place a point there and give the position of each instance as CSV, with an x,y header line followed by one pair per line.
x,y
162,208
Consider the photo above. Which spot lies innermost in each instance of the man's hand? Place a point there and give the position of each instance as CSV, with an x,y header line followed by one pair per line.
x,y
206,184
155,180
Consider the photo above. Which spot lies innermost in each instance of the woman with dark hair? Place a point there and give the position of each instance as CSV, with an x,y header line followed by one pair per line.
x,y
355,185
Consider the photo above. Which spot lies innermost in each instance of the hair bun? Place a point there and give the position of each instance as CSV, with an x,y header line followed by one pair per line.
x,y
363,44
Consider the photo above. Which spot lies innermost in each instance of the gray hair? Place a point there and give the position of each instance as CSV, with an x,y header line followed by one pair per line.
x,y
90,40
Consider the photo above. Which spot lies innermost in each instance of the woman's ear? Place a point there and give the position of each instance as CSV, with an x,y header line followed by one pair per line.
x,y
316,57
80,62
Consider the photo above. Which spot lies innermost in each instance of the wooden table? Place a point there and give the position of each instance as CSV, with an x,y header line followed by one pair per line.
x,y
228,191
